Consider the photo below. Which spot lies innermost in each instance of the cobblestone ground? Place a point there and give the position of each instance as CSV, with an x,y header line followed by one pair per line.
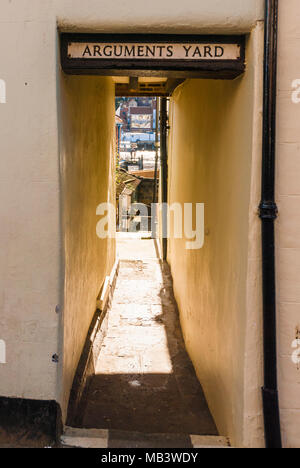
x,y
144,379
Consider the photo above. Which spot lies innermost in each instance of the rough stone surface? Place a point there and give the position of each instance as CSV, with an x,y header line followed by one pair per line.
x,y
144,379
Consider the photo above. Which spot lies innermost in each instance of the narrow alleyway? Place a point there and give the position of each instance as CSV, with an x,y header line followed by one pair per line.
x,y
144,380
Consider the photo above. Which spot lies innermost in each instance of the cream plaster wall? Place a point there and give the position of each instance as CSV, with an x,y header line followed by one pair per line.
x,y
215,153
135,15
87,166
30,277
31,267
288,223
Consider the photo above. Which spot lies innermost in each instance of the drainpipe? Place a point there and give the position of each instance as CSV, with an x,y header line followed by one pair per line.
x,y
164,172
268,214
156,151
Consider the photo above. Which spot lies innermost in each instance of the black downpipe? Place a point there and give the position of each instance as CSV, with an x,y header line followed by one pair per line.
x,y
164,172
156,151
154,212
268,214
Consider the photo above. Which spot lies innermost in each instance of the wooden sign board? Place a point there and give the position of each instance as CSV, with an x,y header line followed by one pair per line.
x,y
156,55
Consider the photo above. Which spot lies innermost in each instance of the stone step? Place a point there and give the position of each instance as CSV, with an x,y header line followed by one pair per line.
x,y
103,438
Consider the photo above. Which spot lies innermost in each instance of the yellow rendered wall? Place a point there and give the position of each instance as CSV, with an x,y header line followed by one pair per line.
x,y
87,166
215,159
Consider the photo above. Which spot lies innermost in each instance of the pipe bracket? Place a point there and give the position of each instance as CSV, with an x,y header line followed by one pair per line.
x,y
268,210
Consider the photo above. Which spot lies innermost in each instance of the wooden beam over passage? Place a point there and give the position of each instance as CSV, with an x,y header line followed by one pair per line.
x,y
162,89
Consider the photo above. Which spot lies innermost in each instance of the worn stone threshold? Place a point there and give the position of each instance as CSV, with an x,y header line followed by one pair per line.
x,y
103,438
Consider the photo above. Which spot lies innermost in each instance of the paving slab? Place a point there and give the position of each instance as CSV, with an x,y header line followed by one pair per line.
x,y
144,380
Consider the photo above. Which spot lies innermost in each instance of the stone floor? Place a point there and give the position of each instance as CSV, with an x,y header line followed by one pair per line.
x,y
144,379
